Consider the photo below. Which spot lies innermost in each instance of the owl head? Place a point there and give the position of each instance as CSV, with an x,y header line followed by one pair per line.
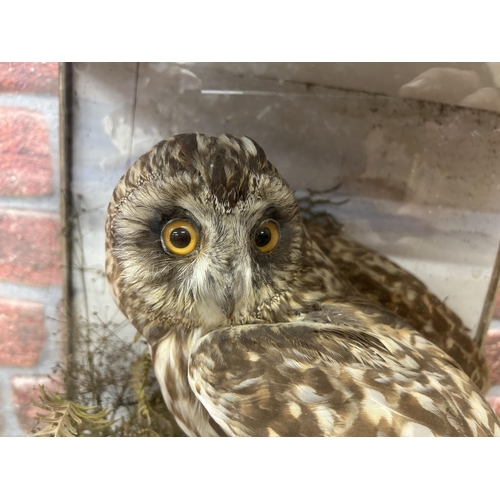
x,y
202,230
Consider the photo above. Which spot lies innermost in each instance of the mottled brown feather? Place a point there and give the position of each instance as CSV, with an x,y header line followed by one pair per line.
x,y
374,277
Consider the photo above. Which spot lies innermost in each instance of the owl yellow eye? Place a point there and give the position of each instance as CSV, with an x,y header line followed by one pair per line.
x,y
266,237
180,237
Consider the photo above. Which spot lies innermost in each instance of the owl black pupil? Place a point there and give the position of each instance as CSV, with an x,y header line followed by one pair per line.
x,y
180,237
263,237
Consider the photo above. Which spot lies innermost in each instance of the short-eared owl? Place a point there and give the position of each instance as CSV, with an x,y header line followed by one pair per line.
x,y
263,324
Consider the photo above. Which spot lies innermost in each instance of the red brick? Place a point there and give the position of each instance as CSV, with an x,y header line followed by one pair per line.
x,y
24,392
25,163
30,247
492,355
29,77
22,332
494,402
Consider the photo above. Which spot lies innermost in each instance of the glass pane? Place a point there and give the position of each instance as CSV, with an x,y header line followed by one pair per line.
x,y
410,151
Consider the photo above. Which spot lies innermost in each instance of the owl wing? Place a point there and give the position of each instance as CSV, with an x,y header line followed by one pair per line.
x,y
334,374
383,282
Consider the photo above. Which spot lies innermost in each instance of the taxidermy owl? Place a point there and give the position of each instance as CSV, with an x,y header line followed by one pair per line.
x,y
260,323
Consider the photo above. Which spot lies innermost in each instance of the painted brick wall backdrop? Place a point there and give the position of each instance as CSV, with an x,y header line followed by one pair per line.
x,y
30,256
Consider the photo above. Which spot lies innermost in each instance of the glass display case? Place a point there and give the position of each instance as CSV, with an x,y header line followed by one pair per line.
x,y
406,156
